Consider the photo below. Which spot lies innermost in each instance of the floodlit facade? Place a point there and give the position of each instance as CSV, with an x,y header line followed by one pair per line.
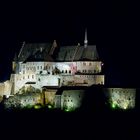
x,y
41,69
72,99
123,98
39,65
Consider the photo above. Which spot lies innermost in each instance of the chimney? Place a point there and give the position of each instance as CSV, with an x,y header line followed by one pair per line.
x,y
54,45
85,41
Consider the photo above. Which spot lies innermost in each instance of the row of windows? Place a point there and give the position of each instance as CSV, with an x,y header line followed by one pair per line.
x,y
68,100
24,65
29,76
89,76
38,68
45,68
84,64
66,71
89,71
48,67
63,71
69,96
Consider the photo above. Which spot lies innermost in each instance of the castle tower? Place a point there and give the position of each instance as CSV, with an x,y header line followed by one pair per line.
x,y
85,41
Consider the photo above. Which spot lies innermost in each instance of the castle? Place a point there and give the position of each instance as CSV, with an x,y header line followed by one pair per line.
x,y
46,67
45,64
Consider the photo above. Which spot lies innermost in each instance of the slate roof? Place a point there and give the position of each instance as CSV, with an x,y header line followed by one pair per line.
x,y
77,53
40,52
39,56
31,49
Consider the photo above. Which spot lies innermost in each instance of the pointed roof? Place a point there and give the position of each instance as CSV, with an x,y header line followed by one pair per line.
x,y
40,55
90,53
77,53
31,49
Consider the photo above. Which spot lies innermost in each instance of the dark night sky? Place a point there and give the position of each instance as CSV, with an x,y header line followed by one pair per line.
x,y
111,26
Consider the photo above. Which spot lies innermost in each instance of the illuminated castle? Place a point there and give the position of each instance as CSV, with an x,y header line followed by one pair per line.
x,y
44,64
42,70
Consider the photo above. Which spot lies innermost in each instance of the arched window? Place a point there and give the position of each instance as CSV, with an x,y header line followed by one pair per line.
x,y
66,71
69,71
62,71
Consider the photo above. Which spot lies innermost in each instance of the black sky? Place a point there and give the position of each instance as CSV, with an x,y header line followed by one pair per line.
x,y
111,26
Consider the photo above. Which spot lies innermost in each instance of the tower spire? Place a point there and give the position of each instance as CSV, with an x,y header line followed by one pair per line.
x,y
85,41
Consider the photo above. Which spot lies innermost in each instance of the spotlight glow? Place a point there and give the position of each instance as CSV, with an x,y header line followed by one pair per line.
x,y
49,106
113,105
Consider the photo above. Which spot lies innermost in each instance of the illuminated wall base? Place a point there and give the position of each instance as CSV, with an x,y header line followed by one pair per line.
x,y
119,98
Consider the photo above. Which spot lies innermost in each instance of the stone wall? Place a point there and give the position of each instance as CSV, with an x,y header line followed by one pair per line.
x,y
49,96
71,99
123,98
5,88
